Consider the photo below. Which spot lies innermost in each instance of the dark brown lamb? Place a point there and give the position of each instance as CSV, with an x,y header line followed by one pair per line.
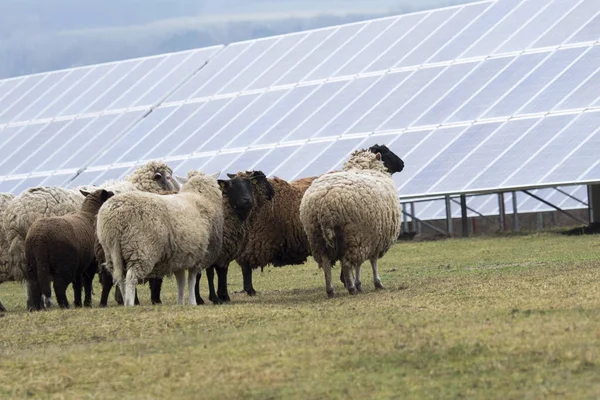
x,y
60,249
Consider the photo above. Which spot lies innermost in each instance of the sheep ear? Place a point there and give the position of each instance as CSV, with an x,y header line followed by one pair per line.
x,y
216,175
157,176
222,183
181,179
231,176
105,195
378,156
84,193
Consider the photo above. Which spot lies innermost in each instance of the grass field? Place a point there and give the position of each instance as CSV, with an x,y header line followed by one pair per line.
x,y
497,317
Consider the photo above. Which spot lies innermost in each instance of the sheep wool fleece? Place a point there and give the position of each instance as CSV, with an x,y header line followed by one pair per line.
x,y
6,267
352,215
155,235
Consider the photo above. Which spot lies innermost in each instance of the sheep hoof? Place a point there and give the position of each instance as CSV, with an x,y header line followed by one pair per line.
x,y
379,286
224,298
215,300
199,301
250,292
359,287
330,293
352,291
102,305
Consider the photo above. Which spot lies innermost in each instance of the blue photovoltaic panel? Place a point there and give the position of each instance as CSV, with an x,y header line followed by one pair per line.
x,y
56,123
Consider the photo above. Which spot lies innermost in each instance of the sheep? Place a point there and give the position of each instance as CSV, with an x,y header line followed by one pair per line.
x,y
44,201
145,234
107,281
6,270
244,194
277,236
60,249
352,216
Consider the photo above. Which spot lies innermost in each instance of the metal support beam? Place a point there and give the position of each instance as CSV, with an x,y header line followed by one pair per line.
x,y
449,227
463,215
435,228
554,206
501,212
571,196
515,212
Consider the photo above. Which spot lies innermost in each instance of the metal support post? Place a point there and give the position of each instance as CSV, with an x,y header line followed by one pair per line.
x,y
449,216
594,203
515,212
463,215
404,219
501,212
412,212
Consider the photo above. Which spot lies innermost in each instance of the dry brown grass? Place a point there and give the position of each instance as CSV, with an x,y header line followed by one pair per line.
x,y
511,317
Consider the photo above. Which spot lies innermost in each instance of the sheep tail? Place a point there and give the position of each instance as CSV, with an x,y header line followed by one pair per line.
x,y
116,258
334,241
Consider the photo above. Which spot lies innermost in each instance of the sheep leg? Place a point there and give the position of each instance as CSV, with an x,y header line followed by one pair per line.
x,y
192,273
247,274
128,288
34,295
349,278
222,289
155,287
77,290
376,278
180,278
357,282
199,300
210,276
342,277
107,283
60,290
326,265
88,280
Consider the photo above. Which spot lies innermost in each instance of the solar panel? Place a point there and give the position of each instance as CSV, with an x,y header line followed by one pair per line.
x,y
487,96
52,124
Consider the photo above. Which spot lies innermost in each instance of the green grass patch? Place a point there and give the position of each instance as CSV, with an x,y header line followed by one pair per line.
x,y
492,317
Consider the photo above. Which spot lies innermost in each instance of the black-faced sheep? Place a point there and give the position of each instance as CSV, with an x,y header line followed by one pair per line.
x,y
145,234
275,235
60,249
352,216
244,195
44,201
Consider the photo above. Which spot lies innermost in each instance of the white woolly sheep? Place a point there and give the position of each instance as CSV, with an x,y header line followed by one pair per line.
x,y
145,234
352,216
6,270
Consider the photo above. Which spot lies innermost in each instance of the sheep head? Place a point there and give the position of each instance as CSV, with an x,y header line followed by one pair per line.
x,y
392,162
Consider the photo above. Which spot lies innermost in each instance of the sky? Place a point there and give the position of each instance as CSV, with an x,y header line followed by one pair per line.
x,y
44,35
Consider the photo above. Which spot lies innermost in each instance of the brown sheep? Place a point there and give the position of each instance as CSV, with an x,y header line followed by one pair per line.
x,y
60,249
276,235
243,196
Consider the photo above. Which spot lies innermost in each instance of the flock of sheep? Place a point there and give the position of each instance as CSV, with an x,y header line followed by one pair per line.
x,y
153,224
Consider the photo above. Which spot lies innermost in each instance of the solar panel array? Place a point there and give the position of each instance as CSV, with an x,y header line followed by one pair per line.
x,y
493,95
